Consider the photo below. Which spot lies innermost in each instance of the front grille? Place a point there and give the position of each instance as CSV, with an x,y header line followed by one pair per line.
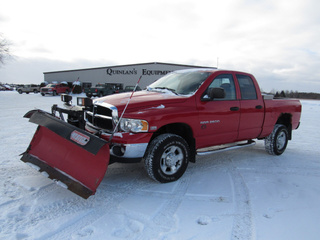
x,y
102,116
103,110
100,122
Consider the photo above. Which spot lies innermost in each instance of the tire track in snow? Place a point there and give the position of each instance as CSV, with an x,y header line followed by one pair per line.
x,y
27,214
17,200
139,226
314,172
243,228
163,221
102,204
164,217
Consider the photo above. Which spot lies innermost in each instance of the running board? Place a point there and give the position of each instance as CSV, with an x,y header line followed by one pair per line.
x,y
223,148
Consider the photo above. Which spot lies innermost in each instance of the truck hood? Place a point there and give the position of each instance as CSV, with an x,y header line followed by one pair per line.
x,y
142,100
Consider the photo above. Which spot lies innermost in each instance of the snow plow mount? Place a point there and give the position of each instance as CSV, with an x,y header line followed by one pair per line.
x,y
75,113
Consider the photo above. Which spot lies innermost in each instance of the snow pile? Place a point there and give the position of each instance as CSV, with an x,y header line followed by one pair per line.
x,y
242,194
159,107
76,83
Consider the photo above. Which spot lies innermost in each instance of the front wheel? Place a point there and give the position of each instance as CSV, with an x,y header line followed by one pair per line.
x,y
276,142
167,158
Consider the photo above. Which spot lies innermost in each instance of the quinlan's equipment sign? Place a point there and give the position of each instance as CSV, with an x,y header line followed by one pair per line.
x,y
111,72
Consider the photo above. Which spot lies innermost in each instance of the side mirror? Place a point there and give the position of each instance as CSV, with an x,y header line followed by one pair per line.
x,y
214,93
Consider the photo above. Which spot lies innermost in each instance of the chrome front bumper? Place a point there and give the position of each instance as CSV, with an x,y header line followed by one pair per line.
x,y
136,150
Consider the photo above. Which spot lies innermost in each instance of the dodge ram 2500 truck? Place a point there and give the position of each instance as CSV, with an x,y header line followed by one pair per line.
x,y
181,115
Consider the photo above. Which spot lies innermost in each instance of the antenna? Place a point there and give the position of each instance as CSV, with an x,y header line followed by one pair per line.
x,y
125,108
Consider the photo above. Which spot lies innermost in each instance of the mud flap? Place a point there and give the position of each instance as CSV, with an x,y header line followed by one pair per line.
x,y
72,157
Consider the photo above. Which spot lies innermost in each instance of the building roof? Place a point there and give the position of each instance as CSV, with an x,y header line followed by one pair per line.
x,y
128,65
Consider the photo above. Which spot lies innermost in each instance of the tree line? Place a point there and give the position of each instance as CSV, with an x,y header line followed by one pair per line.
x,y
296,94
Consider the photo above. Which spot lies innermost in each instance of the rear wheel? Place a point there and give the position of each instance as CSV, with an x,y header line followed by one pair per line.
x,y
276,142
167,158
54,93
20,91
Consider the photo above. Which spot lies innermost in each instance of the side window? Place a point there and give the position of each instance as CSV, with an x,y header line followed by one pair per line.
x,y
247,88
226,82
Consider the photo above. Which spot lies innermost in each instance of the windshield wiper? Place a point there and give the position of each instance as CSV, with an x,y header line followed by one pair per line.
x,y
170,89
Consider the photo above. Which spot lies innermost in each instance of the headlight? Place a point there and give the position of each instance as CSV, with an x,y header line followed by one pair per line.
x,y
133,125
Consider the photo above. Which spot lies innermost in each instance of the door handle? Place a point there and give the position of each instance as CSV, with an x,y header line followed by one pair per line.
x,y
258,107
234,109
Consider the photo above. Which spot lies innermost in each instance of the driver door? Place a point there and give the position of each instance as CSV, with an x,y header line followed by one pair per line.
x,y
219,118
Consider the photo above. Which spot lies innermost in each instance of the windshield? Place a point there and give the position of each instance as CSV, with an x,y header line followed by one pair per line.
x,y
51,85
180,82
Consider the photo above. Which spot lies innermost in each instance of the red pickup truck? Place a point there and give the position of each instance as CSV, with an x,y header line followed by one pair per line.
x,y
54,89
181,115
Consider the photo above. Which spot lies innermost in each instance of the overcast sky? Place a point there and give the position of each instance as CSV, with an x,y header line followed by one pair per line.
x,y
276,40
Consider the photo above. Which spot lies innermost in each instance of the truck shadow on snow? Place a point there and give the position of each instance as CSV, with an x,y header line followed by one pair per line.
x,y
123,174
255,158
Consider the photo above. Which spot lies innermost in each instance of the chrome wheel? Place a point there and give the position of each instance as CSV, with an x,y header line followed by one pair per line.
x,y
171,160
276,142
281,140
167,157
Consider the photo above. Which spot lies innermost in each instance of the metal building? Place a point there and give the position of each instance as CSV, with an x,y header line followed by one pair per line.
x,y
128,75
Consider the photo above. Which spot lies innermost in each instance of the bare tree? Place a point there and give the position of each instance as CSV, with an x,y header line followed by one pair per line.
x,y
4,49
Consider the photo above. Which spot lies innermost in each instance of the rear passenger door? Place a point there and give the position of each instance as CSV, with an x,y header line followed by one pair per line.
x,y
252,108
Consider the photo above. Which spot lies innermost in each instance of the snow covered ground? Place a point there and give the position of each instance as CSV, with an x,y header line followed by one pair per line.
x,y
242,194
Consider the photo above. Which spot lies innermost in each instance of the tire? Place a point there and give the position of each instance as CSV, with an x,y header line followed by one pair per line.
x,y
35,91
100,94
54,93
167,158
276,143
89,95
42,94
20,91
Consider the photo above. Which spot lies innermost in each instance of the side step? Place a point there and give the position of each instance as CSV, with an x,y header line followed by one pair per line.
x,y
225,147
